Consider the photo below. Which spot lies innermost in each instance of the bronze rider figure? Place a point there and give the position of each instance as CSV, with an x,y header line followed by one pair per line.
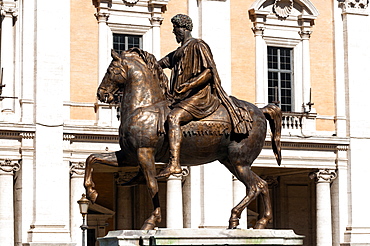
x,y
196,90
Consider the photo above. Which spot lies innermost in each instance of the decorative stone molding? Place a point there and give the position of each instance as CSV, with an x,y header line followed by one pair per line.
x,y
185,171
283,8
323,176
310,146
258,30
7,11
354,4
130,1
158,2
68,137
102,16
156,21
77,168
9,165
305,34
27,135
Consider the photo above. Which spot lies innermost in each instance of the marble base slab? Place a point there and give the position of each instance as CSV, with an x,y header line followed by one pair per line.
x,y
189,236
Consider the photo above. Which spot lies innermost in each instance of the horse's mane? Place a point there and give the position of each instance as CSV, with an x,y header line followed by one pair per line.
x,y
154,66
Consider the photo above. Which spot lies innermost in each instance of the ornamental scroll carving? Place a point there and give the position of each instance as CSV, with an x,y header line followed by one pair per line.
x,y
8,10
355,4
77,168
131,1
323,176
283,8
9,166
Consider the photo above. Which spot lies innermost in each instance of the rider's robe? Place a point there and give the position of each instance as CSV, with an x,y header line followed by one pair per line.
x,y
189,61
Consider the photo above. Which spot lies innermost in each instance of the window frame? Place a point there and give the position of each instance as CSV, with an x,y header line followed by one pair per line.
x,y
281,71
126,42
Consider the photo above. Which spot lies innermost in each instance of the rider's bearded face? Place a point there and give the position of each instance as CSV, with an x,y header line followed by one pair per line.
x,y
179,33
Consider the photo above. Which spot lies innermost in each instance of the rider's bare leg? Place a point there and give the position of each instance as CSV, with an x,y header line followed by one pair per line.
x,y
176,117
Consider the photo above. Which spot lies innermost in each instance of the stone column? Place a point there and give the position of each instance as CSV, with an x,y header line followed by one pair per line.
x,y
156,48
192,192
124,202
323,206
8,13
7,169
239,192
77,171
174,202
260,84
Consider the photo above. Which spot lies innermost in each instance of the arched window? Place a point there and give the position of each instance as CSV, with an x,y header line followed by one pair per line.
x,y
282,31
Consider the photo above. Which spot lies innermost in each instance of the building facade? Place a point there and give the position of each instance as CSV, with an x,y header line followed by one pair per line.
x,y
310,57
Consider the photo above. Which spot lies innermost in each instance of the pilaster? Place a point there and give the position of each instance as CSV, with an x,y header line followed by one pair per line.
x,y
156,22
9,13
355,16
50,224
24,188
102,17
77,172
261,86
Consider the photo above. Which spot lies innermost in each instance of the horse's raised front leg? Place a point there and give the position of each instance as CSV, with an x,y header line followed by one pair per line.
x,y
109,159
147,164
255,186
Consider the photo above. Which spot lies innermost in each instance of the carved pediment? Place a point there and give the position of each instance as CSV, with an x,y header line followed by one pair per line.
x,y
285,8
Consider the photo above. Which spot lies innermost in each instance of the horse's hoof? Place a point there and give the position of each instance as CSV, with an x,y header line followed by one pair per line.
x,y
92,196
168,171
260,225
233,224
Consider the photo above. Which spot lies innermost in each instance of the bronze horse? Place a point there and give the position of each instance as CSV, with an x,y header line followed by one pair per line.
x,y
143,141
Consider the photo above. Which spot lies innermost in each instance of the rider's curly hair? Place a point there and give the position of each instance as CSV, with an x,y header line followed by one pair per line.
x,y
182,20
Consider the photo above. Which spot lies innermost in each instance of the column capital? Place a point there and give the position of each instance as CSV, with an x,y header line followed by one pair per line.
x,y
124,177
9,166
272,181
77,169
102,16
185,172
8,11
258,30
305,34
156,20
323,176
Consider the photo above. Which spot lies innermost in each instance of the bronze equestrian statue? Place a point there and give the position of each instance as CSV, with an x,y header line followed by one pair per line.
x,y
231,131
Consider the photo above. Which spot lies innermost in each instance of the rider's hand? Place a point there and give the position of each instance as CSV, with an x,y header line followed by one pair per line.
x,y
184,87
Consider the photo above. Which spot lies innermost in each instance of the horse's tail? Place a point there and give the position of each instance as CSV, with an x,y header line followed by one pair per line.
x,y
274,116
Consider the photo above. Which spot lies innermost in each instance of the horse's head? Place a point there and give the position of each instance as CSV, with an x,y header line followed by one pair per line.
x,y
113,80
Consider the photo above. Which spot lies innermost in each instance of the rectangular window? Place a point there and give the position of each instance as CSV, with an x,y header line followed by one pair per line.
x,y
280,77
123,42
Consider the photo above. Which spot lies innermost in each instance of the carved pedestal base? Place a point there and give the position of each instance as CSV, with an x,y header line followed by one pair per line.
x,y
201,237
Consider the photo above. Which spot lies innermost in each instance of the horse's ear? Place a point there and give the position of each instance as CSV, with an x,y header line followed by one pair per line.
x,y
115,55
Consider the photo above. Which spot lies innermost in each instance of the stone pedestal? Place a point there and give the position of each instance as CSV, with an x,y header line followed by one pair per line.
x,y
201,237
